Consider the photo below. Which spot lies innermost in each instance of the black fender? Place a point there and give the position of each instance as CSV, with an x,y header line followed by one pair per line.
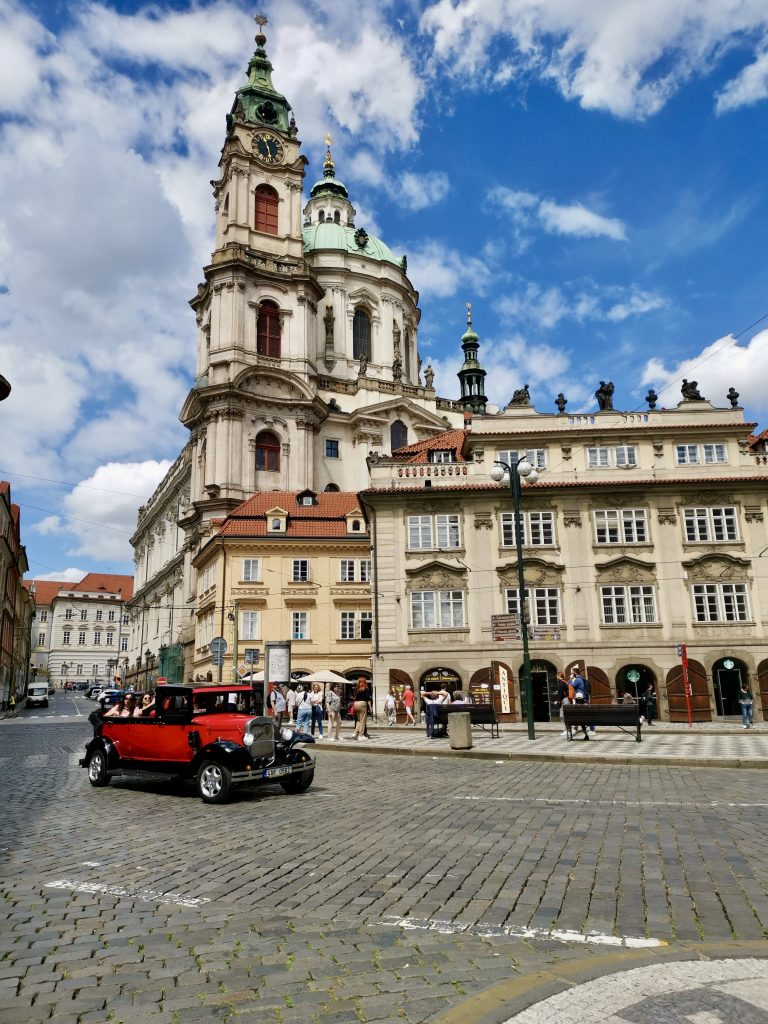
x,y
232,755
109,748
296,757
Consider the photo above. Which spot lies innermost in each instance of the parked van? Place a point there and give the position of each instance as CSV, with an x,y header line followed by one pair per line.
x,y
37,695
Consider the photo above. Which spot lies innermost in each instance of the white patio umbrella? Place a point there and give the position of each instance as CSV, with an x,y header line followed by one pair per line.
x,y
253,677
325,675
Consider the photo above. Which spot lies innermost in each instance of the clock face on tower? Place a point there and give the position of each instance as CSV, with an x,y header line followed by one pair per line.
x,y
267,148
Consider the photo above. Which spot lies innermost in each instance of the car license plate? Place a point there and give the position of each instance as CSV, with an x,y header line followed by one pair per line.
x,y
273,773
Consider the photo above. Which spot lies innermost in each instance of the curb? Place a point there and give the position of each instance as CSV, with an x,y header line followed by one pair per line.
x,y
503,1001
654,761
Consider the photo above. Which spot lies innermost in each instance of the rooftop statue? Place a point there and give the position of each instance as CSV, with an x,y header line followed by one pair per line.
x,y
521,396
604,395
690,391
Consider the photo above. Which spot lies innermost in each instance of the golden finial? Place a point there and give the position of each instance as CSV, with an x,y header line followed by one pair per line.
x,y
469,313
261,21
328,169
327,140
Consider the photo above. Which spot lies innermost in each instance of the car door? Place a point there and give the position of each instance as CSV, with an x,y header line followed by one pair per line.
x,y
169,742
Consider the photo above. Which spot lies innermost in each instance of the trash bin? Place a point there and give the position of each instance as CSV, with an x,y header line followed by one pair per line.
x,y
460,730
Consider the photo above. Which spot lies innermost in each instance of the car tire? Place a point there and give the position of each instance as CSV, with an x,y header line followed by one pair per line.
x,y
214,782
298,783
98,774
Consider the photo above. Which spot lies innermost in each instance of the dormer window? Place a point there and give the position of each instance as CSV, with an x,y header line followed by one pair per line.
x,y
277,524
442,455
306,498
356,527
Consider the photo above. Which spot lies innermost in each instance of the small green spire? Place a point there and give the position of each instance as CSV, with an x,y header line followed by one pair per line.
x,y
472,375
258,102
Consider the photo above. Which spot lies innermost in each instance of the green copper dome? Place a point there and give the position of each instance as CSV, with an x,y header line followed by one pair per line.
x,y
348,239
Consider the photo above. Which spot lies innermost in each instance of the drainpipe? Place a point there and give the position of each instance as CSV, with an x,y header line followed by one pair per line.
x,y
235,642
375,548
223,592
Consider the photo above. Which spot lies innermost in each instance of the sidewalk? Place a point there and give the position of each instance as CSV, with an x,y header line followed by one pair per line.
x,y
705,744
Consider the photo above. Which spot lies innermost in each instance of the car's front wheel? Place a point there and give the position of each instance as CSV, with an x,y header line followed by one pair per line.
x,y
97,769
214,782
299,782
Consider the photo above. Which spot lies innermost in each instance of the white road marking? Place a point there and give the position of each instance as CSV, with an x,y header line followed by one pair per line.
x,y
610,803
91,863
558,934
147,895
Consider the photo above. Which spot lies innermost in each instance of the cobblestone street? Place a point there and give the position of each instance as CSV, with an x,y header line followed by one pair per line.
x,y
395,889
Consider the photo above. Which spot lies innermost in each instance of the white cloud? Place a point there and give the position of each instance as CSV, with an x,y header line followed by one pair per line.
x,y
580,300
103,510
48,525
748,87
577,220
527,212
418,191
625,58
440,270
71,575
723,364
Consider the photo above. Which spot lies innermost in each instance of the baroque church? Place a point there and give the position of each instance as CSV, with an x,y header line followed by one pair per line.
x,y
307,356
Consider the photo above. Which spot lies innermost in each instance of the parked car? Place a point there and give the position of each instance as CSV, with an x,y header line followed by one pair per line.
x,y
37,695
69,685
92,692
51,689
82,686
208,734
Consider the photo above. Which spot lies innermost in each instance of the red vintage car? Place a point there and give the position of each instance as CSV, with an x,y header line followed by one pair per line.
x,y
205,733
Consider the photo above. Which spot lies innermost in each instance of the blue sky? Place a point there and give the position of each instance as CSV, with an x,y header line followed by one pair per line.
x,y
589,176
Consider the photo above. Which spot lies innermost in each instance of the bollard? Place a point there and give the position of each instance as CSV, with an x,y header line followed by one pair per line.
x,y
460,730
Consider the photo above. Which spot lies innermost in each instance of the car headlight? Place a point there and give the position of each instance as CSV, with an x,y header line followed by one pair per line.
x,y
248,739
286,734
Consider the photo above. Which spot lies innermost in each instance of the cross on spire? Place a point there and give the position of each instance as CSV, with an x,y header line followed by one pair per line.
x,y
260,20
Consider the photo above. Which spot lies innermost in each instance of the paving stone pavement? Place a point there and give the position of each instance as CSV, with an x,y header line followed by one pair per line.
x,y
395,889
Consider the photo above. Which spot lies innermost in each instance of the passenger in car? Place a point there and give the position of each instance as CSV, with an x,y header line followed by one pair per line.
x,y
147,707
117,710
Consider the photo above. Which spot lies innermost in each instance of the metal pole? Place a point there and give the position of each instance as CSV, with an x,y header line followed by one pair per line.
x,y
236,645
514,483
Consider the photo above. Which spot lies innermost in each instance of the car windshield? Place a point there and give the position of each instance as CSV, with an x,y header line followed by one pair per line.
x,y
223,702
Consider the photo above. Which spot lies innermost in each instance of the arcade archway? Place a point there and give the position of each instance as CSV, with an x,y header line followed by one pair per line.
x,y
634,679
728,674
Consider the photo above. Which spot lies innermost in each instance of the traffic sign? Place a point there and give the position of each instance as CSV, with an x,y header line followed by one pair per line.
x,y
252,655
218,645
217,659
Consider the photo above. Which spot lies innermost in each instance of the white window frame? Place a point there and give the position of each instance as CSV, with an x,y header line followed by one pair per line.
x,y
628,605
123,643
625,456
250,625
536,456
420,533
252,570
705,521
536,526
620,525
97,638
44,615
717,602
299,631
621,456
351,625
545,609
366,570
111,615
438,609
110,639
69,614
346,570
711,453
83,614
81,638
300,570
441,455
598,457
41,639
715,453
448,531
99,614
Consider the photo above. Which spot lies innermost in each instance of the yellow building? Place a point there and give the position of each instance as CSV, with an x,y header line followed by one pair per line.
x,y
287,565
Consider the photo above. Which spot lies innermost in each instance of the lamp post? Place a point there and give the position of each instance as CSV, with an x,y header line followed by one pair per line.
x,y
512,475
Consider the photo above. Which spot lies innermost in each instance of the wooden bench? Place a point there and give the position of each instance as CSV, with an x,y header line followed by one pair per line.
x,y
479,714
620,715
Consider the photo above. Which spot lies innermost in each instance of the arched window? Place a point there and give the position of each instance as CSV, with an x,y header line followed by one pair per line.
x,y
398,435
226,205
268,330
336,217
268,452
266,210
361,334
321,217
331,488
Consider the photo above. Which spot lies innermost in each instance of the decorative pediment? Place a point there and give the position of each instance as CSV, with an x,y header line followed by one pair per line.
x,y
717,567
705,498
537,573
363,295
436,575
430,507
273,383
626,570
617,499
383,412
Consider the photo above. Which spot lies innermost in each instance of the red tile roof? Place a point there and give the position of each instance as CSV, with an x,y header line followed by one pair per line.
x,y
327,518
419,452
45,590
753,439
564,484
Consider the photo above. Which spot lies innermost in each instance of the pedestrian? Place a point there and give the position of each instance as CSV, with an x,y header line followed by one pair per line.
x,y
745,703
564,691
432,701
390,709
12,705
408,698
362,707
333,704
278,704
290,703
303,709
316,699
649,698
579,702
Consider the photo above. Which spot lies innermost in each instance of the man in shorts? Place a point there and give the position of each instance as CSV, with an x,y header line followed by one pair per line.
x,y
408,699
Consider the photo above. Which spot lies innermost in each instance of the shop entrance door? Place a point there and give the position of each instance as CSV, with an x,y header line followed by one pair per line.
x,y
727,684
540,687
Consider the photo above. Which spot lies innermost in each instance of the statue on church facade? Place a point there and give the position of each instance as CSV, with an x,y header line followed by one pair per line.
x,y
329,320
363,368
521,396
689,389
397,368
429,376
604,396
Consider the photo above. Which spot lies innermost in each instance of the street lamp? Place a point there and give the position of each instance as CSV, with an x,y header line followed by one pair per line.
x,y
512,475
